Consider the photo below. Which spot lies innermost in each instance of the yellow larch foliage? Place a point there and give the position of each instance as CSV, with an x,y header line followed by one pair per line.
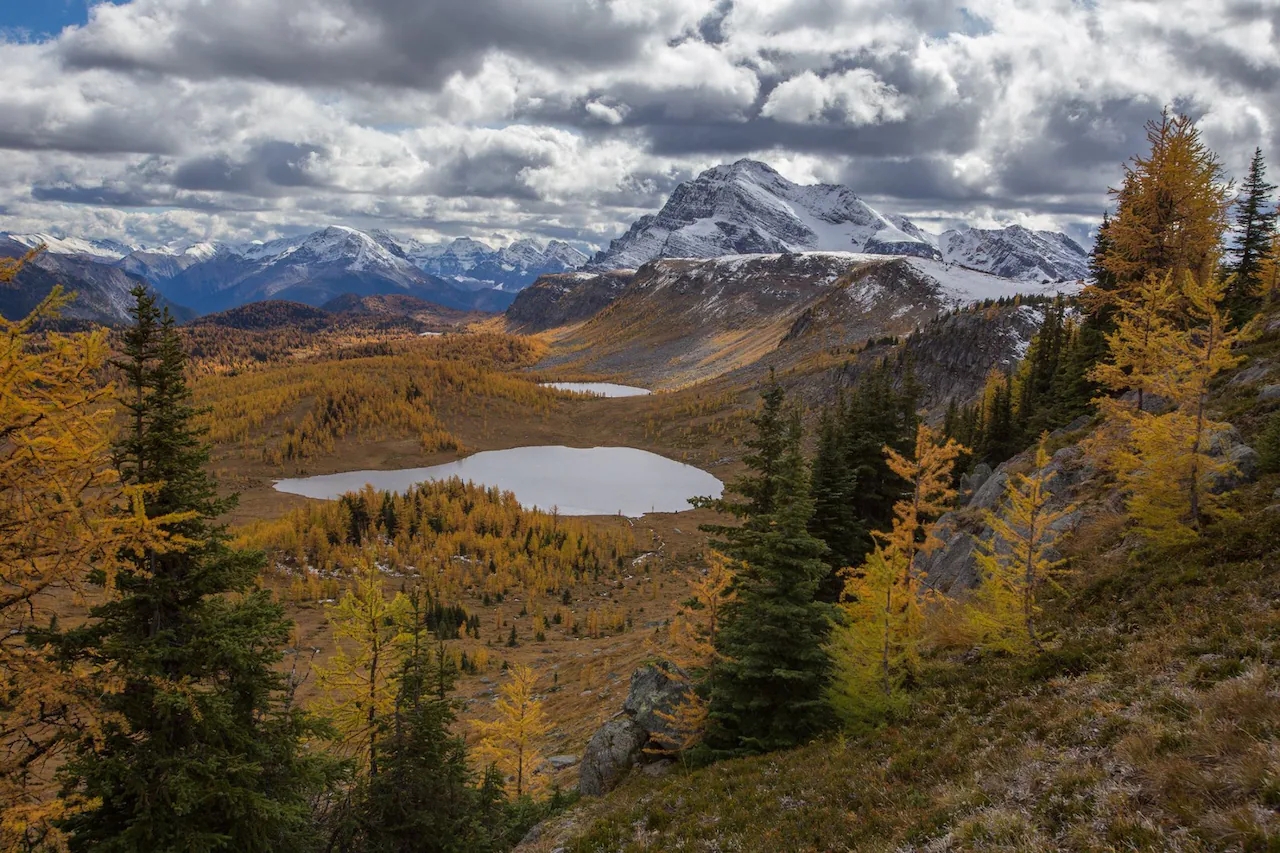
x,y
1141,347
1163,461
1269,274
1171,209
465,537
879,640
686,724
289,411
63,514
692,638
1018,560
693,630
512,742
360,679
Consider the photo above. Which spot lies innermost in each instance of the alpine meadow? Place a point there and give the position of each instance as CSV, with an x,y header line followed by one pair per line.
x,y
604,427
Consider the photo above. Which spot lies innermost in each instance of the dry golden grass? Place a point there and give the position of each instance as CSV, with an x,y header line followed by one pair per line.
x,y
1153,723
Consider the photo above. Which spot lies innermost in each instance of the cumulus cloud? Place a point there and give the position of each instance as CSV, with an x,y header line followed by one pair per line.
x,y
857,97
187,119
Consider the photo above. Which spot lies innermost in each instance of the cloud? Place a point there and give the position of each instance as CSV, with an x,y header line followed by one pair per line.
x,y
856,97
174,119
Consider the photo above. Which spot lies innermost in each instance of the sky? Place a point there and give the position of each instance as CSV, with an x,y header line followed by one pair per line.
x,y
170,121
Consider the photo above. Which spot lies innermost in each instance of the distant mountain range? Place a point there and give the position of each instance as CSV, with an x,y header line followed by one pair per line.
x,y
748,208
737,209
311,269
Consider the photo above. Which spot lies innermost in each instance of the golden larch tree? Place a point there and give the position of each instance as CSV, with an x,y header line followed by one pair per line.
x,y
1170,471
882,599
1269,274
1019,560
693,630
1171,209
1141,352
63,514
693,648
360,679
511,742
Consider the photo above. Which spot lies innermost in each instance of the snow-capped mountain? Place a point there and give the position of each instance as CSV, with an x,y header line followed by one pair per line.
x,y
1016,252
473,264
165,263
748,208
678,321
100,286
104,250
313,269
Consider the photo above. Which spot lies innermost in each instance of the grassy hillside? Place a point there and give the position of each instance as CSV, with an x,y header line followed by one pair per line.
x,y
1151,722
1151,725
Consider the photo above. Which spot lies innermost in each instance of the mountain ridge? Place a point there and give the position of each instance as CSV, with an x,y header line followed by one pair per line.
x,y
678,321
747,207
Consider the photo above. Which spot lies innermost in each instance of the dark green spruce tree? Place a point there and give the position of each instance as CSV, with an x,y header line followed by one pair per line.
x,y
768,686
203,750
1255,226
423,798
852,486
880,414
834,487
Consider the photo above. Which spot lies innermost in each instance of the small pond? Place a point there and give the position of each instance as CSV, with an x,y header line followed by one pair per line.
x,y
600,389
577,481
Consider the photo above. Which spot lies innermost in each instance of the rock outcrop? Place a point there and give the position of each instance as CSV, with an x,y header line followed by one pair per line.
x,y
620,743
655,690
953,568
564,299
611,753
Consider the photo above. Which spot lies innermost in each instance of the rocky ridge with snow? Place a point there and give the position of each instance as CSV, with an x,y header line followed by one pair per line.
x,y
561,299
473,264
1016,252
748,208
318,266
102,290
686,320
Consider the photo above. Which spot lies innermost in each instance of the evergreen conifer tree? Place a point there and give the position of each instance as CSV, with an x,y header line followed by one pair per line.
x,y
772,668
202,749
879,416
1255,228
835,520
424,798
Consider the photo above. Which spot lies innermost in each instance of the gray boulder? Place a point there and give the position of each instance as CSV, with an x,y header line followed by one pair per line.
x,y
970,483
1245,462
953,567
1075,426
1068,523
1251,375
1153,403
613,750
989,496
1269,393
656,689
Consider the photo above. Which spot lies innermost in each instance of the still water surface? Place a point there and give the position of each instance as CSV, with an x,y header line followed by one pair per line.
x,y
600,389
577,481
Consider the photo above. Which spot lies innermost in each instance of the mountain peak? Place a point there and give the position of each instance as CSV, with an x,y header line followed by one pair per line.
x,y
745,166
747,207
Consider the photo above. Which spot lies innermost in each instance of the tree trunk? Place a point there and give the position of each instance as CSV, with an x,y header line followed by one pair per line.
x,y
888,606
